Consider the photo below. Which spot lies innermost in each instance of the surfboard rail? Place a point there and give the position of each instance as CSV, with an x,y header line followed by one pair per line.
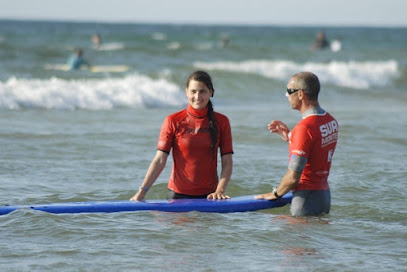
x,y
235,204
92,68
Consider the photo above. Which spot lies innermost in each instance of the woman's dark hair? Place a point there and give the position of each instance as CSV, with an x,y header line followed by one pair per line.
x,y
205,78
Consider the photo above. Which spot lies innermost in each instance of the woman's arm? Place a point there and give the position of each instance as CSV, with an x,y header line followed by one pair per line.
x,y
154,171
227,168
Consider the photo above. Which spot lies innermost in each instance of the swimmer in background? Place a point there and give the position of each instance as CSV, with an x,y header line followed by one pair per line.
x,y
320,42
224,42
96,40
76,61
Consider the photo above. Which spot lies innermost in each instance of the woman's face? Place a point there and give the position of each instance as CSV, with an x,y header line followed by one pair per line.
x,y
198,94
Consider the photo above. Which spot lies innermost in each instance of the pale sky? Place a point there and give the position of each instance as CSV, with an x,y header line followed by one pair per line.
x,y
241,12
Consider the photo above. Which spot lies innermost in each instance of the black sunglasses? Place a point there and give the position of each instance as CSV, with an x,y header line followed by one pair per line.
x,y
291,91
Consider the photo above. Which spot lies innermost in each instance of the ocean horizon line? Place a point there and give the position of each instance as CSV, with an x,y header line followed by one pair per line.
x,y
208,24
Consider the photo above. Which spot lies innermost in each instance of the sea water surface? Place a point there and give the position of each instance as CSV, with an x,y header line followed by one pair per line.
x,y
82,136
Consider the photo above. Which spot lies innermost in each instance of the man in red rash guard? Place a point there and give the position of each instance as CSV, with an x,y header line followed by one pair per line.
x,y
194,134
312,144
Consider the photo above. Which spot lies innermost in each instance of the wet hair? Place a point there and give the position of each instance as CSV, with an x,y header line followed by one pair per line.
x,y
79,52
205,78
309,83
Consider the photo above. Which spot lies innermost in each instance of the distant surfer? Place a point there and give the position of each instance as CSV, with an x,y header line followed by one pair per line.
x,y
76,61
224,42
194,136
320,42
96,40
311,145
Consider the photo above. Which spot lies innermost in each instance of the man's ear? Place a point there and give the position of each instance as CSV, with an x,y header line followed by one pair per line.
x,y
301,94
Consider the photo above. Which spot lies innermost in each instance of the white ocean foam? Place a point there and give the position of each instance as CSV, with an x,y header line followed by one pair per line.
x,y
204,46
158,36
98,94
174,45
336,45
352,74
110,46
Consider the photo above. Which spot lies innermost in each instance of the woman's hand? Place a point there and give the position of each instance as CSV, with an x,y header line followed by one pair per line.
x,y
139,196
218,195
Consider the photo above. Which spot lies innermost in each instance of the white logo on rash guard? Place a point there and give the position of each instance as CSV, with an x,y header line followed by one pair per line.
x,y
328,128
299,152
330,154
329,133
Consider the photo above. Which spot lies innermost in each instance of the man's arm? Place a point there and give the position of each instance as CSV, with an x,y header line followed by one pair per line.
x,y
289,181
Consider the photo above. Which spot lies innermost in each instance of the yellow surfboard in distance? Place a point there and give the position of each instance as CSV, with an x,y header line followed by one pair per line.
x,y
109,68
93,69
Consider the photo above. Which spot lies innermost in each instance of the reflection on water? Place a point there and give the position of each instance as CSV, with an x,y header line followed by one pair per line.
x,y
300,251
303,220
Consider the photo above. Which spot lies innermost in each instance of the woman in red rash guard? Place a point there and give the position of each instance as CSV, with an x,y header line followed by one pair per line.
x,y
194,135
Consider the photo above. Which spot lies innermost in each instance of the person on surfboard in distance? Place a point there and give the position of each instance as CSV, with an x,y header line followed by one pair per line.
x,y
311,144
194,135
76,61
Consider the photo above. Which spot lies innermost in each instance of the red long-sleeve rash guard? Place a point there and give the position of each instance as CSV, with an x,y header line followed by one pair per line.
x,y
194,170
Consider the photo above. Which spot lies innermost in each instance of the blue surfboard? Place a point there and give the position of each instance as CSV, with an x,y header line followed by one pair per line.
x,y
235,204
